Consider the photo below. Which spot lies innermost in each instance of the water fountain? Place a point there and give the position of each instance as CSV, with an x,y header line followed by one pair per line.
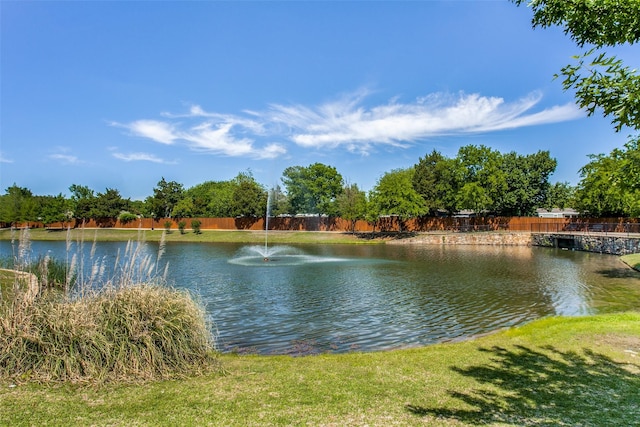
x,y
281,255
266,227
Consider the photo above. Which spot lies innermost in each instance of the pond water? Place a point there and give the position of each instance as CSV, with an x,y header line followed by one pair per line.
x,y
316,298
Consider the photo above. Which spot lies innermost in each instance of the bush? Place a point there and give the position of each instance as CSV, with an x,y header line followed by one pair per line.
x,y
167,226
141,332
127,217
127,328
181,225
195,225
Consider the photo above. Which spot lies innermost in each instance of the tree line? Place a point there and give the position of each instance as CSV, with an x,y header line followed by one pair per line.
x,y
478,179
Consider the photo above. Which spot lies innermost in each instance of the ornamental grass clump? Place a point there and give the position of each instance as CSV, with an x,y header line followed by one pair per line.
x,y
122,331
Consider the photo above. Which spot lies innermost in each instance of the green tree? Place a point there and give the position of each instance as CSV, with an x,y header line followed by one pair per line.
x,y
352,204
54,209
221,199
394,195
527,183
212,199
561,195
610,184
312,189
166,196
438,179
108,205
474,197
249,198
17,205
481,177
195,225
184,208
278,202
599,80
82,201
428,174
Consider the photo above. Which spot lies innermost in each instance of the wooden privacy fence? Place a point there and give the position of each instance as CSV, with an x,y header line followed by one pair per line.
x,y
384,224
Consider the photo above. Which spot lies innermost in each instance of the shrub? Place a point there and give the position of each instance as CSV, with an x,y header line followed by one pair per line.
x,y
195,225
127,217
167,226
141,332
128,328
181,225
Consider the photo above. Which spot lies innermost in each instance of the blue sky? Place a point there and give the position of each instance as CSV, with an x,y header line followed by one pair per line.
x,y
120,94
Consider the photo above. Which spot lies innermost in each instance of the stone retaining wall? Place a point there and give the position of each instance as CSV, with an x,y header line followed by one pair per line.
x,y
615,245
606,244
489,238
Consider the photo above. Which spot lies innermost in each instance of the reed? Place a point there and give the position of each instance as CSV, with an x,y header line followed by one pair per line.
x,y
130,326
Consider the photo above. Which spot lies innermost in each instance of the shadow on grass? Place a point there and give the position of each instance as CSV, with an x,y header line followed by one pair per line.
x,y
546,387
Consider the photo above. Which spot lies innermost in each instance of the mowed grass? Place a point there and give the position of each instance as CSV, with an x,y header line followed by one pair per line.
x,y
555,371
213,236
632,260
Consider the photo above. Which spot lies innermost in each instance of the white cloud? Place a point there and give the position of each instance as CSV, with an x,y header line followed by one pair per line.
x,y
161,132
347,123
214,133
137,157
65,158
4,159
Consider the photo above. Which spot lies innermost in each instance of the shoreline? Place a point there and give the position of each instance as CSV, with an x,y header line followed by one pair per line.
x,y
604,243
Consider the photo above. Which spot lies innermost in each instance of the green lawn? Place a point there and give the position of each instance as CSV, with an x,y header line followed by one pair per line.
x,y
222,236
633,260
556,371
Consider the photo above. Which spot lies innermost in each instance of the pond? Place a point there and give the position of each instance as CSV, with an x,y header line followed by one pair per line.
x,y
315,298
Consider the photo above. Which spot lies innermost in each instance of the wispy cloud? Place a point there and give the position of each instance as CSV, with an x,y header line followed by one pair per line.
x,y
140,157
214,133
347,122
4,159
158,131
67,159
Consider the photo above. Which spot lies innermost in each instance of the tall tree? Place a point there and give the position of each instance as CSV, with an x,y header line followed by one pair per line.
x,y
394,195
220,199
109,205
599,79
610,184
474,197
82,201
278,202
561,195
184,208
249,197
437,179
312,189
166,196
352,204
55,209
527,182
17,205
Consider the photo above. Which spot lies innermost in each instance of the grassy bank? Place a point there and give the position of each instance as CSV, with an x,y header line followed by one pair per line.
x,y
214,236
632,260
556,371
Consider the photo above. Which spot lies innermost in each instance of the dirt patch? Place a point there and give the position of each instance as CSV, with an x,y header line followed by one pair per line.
x,y
628,344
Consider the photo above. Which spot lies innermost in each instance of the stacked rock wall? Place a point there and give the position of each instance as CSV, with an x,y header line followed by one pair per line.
x,y
616,245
